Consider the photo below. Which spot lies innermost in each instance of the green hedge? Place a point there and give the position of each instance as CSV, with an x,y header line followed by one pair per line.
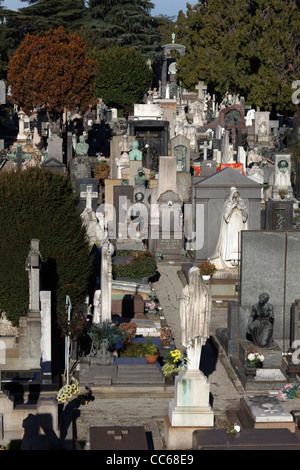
x,y
142,264
40,204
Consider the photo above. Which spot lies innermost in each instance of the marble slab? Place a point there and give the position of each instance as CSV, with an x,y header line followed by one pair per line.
x,y
267,409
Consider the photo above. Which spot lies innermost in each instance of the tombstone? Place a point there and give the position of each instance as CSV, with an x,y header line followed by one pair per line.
x,y
55,149
106,280
262,126
2,92
88,216
166,208
295,321
118,145
180,147
282,187
279,215
209,196
225,147
30,335
122,199
270,263
46,351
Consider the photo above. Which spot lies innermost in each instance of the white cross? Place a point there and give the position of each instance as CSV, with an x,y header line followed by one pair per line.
x,y
204,147
89,194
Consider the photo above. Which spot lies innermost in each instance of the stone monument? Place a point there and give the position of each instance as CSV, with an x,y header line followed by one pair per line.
x,y
234,220
190,406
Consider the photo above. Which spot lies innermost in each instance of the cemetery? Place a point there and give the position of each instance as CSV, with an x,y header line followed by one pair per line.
x,y
153,300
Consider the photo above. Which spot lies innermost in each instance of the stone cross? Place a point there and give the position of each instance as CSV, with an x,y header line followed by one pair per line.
x,y
232,153
33,268
89,194
204,147
201,90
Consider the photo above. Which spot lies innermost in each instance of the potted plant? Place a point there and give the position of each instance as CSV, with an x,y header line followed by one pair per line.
x,y
165,336
150,350
254,358
207,269
128,331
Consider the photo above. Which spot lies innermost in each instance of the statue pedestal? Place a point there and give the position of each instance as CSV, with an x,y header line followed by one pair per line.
x,y
190,406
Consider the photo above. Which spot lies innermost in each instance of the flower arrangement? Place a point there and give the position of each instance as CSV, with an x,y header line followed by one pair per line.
x,y
175,362
128,330
165,336
254,358
67,391
150,305
207,268
288,392
233,429
150,349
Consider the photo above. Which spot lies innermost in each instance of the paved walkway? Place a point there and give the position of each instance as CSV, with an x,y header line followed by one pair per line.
x,y
150,409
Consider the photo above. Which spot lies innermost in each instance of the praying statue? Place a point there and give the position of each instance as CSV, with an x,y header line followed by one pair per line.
x,y
234,220
195,313
97,307
261,321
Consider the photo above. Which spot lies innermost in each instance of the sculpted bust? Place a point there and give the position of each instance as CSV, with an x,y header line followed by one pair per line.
x,y
81,147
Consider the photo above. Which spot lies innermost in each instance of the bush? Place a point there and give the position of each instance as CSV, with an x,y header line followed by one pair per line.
x,y
143,264
133,350
40,204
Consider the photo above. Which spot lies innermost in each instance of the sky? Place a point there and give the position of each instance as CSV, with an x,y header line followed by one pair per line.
x,y
162,7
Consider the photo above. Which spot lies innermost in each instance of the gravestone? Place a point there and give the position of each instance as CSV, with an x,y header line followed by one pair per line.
x,y
180,147
166,203
208,201
262,126
123,198
279,215
270,263
55,149
30,331
282,187
46,351
266,412
2,92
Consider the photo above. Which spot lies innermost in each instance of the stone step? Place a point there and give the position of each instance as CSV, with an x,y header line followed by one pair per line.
x,y
139,380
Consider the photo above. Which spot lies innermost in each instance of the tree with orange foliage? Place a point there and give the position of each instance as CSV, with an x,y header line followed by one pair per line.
x,y
52,71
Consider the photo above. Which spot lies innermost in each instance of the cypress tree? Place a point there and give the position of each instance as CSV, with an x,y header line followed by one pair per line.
x,y
39,204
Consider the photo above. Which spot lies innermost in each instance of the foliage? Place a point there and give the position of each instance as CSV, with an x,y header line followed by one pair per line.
x,y
123,76
125,23
143,264
150,349
245,47
101,171
133,350
107,331
165,336
128,330
40,204
207,268
53,72
175,362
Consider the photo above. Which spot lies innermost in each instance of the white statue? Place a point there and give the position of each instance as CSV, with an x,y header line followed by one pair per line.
x,y
195,312
97,307
254,156
250,116
234,219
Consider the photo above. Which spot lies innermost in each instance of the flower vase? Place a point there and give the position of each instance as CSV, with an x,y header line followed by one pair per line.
x,y
250,371
206,277
150,359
